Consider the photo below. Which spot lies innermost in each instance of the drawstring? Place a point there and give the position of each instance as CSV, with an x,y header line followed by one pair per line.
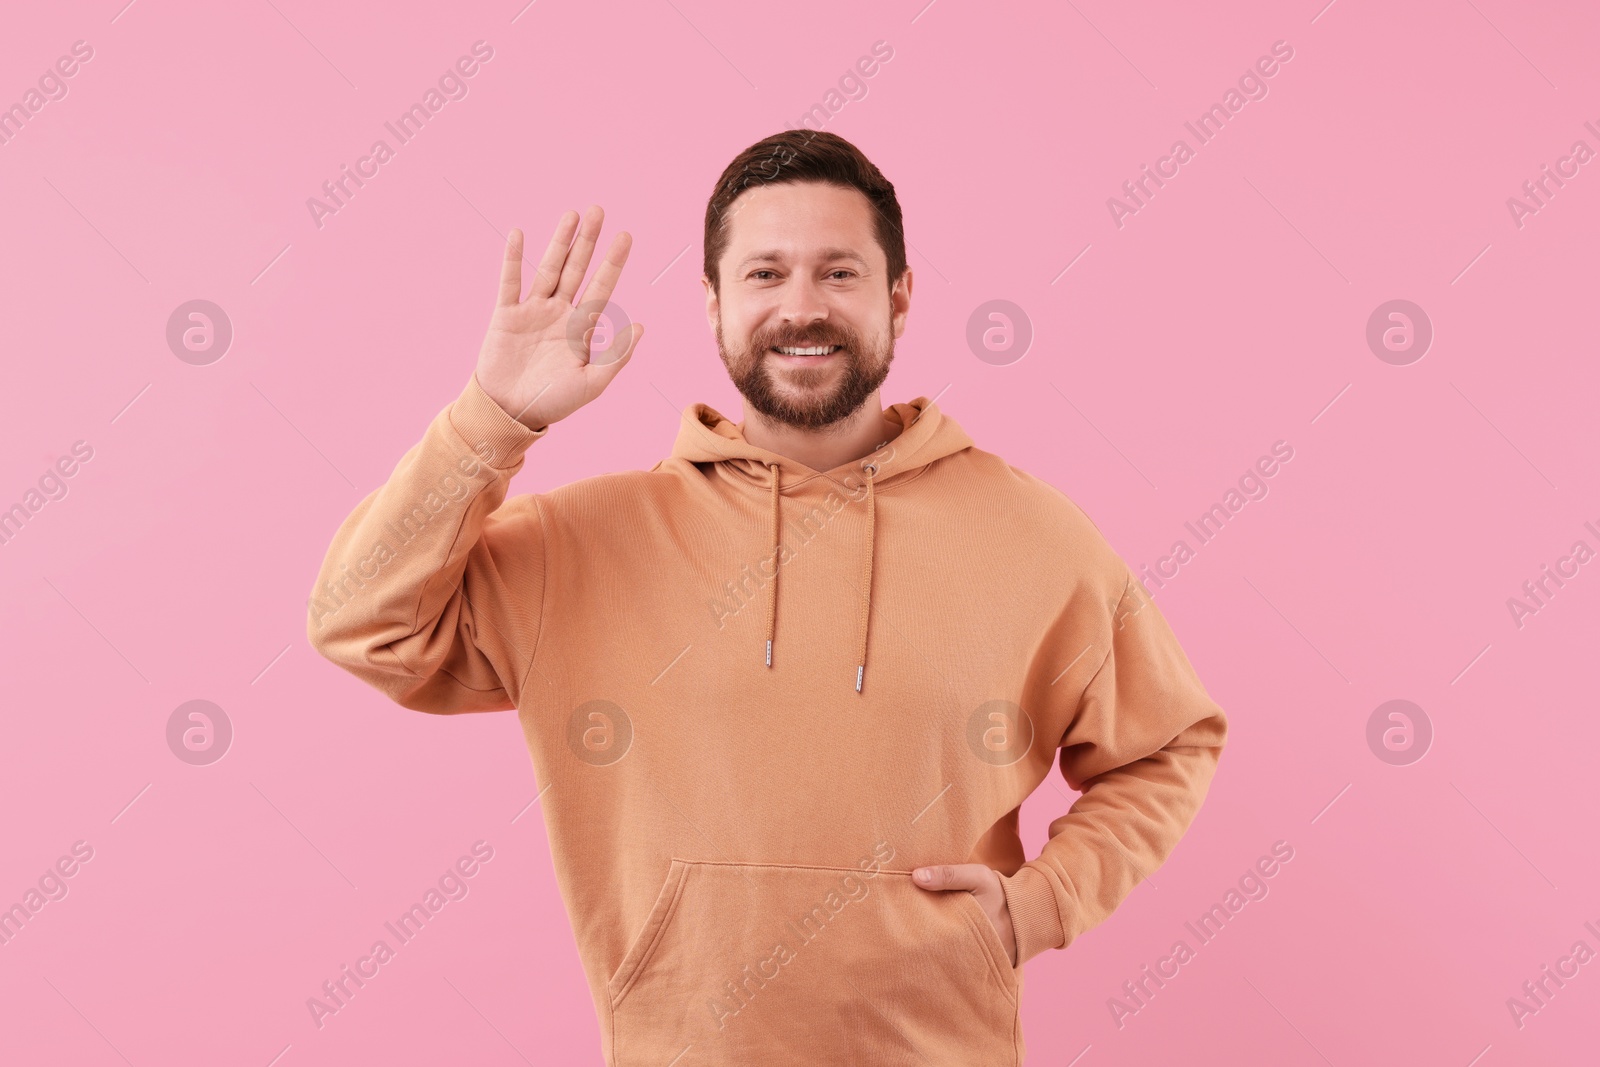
x,y
772,591
869,470
865,621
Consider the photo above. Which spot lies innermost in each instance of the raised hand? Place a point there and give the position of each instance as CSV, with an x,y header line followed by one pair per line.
x,y
535,360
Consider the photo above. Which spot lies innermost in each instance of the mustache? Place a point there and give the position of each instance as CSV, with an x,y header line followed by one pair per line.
x,y
804,339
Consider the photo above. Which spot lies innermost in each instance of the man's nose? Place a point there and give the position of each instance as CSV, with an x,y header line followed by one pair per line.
x,y
803,302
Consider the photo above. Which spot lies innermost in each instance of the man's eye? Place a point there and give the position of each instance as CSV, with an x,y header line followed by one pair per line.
x,y
757,274
841,270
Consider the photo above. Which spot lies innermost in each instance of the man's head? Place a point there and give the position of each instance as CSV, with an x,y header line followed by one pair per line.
x,y
804,248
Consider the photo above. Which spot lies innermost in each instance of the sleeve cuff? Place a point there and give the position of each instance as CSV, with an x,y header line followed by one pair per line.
x,y
488,429
1035,916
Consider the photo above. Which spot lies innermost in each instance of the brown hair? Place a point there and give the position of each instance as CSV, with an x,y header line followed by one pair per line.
x,y
805,156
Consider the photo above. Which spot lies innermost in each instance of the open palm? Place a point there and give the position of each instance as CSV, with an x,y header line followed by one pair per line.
x,y
535,360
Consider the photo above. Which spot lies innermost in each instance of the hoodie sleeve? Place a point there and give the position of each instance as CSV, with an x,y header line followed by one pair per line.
x,y
1141,748
432,588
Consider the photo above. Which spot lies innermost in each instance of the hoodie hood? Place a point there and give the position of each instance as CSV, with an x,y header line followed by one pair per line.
x,y
926,436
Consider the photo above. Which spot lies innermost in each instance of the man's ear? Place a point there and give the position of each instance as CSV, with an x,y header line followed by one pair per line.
x,y
713,309
900,302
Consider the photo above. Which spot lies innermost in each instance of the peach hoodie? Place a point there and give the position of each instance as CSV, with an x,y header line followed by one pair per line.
x,y
757,696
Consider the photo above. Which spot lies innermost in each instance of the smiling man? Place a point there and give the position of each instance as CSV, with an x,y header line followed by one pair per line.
x,y
785,828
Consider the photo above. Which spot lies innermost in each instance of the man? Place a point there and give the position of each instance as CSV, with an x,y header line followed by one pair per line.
x,y
785,691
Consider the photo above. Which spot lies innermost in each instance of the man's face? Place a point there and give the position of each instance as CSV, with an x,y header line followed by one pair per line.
x,y
803,270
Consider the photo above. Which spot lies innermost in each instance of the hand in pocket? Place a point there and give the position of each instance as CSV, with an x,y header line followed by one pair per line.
x,y
984,884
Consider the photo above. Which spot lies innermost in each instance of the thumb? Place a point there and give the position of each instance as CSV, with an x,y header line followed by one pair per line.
x,y
950,876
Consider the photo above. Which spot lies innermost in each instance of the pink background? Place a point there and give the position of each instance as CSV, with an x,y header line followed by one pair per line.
x,y
1226,315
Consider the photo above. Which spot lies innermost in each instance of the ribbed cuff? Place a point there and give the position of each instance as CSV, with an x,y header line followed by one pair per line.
x,y
1035,916
489,428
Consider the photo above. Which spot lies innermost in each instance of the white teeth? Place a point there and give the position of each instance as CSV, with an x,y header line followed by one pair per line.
x,y
819,351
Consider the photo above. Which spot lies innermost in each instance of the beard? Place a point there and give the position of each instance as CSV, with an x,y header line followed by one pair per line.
x,y
806,402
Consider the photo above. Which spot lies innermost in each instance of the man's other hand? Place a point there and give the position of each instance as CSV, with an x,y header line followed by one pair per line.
x,y
984,884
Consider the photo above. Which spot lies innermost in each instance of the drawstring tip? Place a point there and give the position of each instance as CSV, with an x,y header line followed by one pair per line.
x,y
769,653
861,672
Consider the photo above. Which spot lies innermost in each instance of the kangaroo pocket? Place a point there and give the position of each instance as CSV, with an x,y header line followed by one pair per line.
x,y
770,963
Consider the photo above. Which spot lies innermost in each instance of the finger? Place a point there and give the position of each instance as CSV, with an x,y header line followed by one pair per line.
x,y
598,292
582,249
604,372
949,876
549,270
511,271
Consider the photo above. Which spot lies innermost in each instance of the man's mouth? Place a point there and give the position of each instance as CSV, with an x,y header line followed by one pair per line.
x,y
806,353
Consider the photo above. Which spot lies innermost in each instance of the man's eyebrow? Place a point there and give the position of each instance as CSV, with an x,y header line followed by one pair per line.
x,y
775,256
